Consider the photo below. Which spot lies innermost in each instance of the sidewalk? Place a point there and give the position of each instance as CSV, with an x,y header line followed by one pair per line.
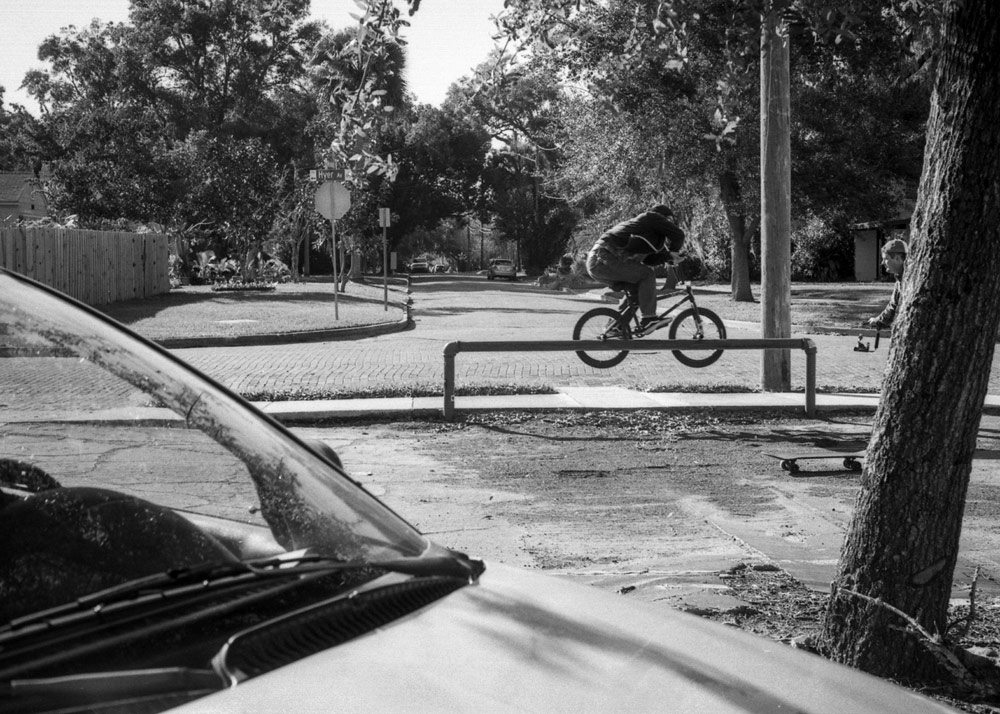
x,y
578,398
573,398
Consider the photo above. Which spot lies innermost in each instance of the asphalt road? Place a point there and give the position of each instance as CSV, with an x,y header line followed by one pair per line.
x,y
660,506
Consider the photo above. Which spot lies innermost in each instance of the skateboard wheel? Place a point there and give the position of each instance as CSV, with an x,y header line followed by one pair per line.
x,y
852,464
790,466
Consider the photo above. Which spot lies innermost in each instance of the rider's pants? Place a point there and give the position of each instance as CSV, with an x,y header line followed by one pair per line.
x,y
606,266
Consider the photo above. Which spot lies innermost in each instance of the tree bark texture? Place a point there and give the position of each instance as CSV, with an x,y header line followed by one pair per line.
x,y
739,233
775,201
902,543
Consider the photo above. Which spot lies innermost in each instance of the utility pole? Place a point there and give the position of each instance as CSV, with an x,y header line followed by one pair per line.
x,y
775,198
384,219
333,258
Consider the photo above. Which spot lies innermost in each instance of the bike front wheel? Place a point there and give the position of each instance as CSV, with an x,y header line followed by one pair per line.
x,y
602,323
685,327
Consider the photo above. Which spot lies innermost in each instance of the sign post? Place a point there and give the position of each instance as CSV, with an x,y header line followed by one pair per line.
x,y
332,201
383,220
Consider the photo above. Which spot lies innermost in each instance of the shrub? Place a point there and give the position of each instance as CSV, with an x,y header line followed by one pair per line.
x,y
820,252
690,267
275,271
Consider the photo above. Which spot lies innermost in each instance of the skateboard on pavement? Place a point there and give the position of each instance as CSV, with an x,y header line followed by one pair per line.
x,y
850,459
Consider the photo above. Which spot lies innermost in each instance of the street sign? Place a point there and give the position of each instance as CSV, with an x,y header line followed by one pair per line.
x,y
333,199
327,174
384,217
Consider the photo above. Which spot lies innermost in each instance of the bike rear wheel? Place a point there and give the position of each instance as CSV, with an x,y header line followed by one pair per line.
x,y
599,324
685,327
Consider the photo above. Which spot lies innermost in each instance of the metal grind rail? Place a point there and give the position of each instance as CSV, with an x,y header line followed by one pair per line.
x,y
768,343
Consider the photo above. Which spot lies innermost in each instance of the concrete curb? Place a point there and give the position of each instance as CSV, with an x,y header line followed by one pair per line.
x,y
281,338
567,399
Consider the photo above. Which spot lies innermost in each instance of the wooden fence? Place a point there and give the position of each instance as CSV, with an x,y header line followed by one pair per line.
x,y
95,267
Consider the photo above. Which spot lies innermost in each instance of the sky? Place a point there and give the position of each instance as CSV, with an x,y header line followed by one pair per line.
x,y
446,38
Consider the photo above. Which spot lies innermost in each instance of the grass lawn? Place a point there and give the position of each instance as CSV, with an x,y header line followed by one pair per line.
x,y
198,311
827,305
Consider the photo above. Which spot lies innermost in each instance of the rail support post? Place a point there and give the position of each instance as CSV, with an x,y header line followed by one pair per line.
x,y
810,350
450,350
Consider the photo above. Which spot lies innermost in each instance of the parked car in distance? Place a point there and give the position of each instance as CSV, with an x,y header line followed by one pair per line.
x,y
501,268
168,546
439,268
419,266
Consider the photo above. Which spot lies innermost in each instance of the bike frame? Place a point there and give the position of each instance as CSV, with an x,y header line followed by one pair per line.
x,y
630,310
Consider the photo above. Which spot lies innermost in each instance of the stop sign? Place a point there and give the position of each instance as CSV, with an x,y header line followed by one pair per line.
x,y
333,199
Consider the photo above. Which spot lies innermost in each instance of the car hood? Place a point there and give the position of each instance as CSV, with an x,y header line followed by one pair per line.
x,y
520,641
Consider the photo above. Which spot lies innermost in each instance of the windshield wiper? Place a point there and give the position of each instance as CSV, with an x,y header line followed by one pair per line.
x,y
456,565
452,564
157,582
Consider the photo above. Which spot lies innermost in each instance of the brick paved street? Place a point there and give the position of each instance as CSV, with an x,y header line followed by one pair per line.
x,y
446,309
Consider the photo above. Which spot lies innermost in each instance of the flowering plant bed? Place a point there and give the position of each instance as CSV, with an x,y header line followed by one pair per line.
x,y
233,285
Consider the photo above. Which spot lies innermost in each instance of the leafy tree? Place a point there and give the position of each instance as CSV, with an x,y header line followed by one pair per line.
x,y
687,120
341,72
538,225
222,66
903,540
683,76
441,153
296,224
860,112
132,111
520,110
352,130
362,76
103,139
19,150
232,181
110,163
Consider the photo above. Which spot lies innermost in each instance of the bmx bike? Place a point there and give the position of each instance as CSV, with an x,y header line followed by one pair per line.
x,y
623,324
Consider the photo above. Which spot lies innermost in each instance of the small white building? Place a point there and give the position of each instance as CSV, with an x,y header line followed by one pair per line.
x,y
868,241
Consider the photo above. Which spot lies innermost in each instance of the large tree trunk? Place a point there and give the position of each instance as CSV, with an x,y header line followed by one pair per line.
x,y
740,231
296,246
902,543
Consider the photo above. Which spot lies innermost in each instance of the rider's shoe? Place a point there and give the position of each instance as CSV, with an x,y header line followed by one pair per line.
x,y
648,324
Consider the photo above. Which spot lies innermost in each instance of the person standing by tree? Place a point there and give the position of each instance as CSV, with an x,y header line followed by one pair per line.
x,y
894,258
629,251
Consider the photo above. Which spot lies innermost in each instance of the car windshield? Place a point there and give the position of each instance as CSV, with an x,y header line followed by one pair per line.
x,y
91,408
502,262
